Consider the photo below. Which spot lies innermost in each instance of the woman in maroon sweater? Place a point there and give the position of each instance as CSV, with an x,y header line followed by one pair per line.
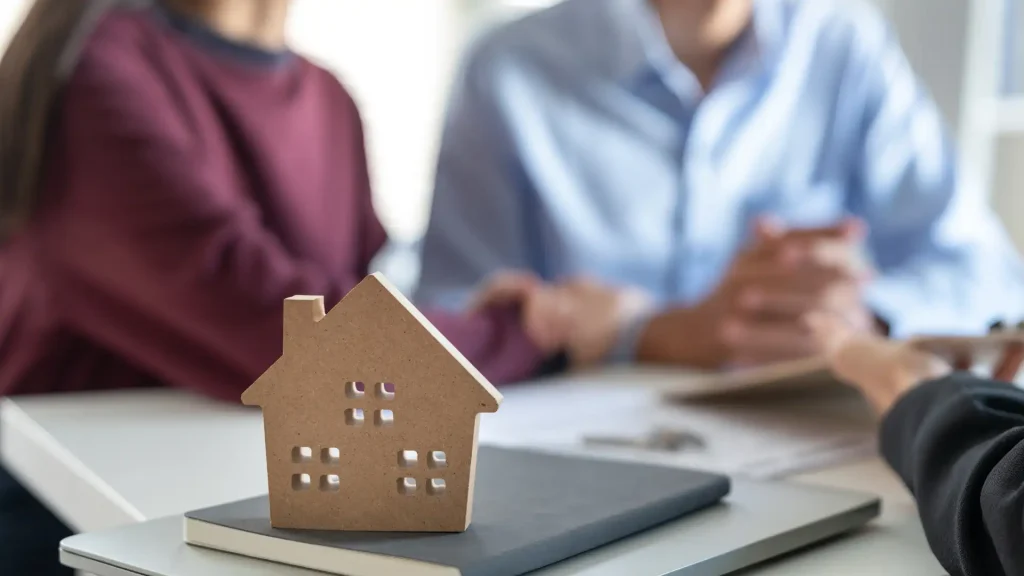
x,y
191,183
194,174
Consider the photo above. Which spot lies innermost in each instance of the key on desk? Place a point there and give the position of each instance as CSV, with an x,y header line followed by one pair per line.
x,y
659,440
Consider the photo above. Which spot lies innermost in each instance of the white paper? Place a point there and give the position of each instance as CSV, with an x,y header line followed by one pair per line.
x,y
762,438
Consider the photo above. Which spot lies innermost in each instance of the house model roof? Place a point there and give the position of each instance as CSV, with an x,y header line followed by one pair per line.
x,y
372,301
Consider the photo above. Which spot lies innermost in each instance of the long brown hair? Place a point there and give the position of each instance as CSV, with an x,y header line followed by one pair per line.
x,y
33,71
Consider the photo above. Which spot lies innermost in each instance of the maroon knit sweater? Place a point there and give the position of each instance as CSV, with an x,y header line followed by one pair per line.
x,y
189,190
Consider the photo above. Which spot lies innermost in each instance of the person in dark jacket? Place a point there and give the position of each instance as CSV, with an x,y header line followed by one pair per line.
x,y
956,440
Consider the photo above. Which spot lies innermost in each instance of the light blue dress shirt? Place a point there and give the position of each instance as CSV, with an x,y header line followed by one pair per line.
x,y
578,144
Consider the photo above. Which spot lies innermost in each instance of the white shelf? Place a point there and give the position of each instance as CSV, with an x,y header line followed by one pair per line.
x,y
1010,115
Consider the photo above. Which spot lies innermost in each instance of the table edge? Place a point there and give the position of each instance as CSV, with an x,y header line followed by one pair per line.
x,y
76,494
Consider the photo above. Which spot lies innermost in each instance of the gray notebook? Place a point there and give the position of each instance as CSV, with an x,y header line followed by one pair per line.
x,y
531,509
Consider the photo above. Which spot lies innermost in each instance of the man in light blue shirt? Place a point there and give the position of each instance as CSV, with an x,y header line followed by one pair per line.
x,y
637,141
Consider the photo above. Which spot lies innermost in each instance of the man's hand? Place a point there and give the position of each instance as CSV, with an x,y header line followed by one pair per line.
x,y
757,313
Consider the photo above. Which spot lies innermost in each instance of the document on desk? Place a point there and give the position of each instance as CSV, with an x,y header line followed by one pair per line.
x,y
795,375
765,437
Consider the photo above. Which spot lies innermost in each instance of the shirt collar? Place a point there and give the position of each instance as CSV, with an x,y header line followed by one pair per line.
x,y
205,37
646,50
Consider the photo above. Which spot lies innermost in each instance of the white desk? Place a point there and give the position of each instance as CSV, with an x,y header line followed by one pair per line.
x,y
105,459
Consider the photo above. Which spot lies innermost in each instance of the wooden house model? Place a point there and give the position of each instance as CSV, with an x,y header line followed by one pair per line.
x,y
370,417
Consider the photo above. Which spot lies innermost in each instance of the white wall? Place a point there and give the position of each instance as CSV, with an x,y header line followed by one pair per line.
x,y
933,34
11,12
397,58
1008,196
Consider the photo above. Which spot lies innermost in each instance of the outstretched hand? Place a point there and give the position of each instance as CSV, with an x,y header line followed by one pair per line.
x,y
882,369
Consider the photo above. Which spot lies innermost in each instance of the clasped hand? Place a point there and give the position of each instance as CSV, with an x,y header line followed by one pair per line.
x,y
757,314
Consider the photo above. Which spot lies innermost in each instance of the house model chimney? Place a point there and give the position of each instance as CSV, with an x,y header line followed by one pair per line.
x,y
301,314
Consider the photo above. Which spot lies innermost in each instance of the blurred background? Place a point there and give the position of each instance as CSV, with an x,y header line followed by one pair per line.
x,y
970,53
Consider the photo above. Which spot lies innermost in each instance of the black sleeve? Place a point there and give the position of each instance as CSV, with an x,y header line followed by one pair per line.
x,y
958,444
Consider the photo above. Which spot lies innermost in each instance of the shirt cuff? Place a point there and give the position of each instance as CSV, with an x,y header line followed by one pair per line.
x,y
888,305
909,310
628,339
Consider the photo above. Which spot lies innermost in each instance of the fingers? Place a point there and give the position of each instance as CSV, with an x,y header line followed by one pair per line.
x,y
545,309
580,315
768,229
757,342
800,250
830,332
847,230
757,286
836,243
547,319
775,302
792,288
506,287
1008,365
786,275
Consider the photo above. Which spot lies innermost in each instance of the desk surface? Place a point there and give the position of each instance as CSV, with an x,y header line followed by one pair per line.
x,y
112,458
894,548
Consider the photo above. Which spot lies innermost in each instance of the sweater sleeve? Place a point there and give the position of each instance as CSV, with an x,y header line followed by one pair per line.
x,y
152,259
958,444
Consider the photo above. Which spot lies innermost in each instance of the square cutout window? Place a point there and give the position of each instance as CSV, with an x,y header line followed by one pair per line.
x,y
354,416
385,390
436,486
330,483
355,389
384,418
301,454
330,456
408,458
438,459
407,486
300,482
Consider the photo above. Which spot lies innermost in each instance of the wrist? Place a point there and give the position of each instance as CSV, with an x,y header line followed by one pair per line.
x,y
626,348
910,368
677,336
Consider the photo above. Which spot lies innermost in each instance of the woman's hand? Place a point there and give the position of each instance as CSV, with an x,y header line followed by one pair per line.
x,y
544,315
593,315
582,317
881,369
884,369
